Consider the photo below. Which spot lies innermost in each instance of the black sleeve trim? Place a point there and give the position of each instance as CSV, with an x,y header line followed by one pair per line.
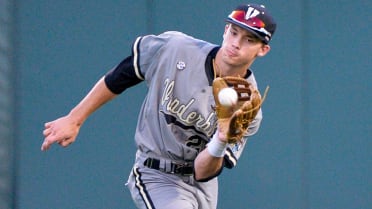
x,y
122,76
229,159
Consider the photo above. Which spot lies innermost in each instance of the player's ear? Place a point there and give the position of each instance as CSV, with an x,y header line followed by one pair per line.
x,y
263,50
226,28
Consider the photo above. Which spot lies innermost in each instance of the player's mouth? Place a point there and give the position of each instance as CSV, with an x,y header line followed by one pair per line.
x,y
231,53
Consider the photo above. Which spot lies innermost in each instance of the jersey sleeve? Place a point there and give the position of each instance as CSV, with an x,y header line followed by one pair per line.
x,y
136,67
122,76
141,65
148,52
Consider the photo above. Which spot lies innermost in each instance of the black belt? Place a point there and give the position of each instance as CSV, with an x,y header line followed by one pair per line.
x,y
184,169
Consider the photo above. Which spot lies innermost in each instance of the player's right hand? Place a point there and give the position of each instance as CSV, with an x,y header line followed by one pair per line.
x,y
62,131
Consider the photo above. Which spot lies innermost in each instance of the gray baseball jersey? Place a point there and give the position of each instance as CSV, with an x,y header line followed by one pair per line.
x,y
176,120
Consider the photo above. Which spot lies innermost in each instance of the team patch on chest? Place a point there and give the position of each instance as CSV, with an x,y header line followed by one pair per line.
x,y
181,65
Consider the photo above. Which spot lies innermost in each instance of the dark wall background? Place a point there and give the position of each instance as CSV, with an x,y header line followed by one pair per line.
x,y
314,146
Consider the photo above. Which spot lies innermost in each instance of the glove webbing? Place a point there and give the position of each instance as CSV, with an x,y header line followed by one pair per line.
x,y
262,100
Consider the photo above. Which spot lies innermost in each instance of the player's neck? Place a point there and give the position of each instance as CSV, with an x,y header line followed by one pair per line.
x,y
222,68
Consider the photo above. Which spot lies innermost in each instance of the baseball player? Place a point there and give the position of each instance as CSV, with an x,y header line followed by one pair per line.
x,y
181,144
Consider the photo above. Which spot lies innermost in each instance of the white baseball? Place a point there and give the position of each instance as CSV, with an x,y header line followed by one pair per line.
x,y
228,97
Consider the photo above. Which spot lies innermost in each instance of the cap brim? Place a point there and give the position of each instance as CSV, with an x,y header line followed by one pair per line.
x,y
229,20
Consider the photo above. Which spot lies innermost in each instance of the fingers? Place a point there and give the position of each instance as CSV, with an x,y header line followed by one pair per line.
x,y
65,142
51,139
49,136
48,124
53,135
47,132
46,144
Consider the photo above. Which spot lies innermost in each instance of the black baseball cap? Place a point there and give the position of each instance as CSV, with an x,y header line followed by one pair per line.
x,y
254,18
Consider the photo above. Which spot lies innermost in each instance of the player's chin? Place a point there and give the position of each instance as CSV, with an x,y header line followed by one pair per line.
x,y
235,61
229,60
232,59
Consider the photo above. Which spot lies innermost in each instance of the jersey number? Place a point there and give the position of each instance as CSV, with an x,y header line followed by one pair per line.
x,y
196,142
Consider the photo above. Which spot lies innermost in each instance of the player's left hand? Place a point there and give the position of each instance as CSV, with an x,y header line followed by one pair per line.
x,y
233,121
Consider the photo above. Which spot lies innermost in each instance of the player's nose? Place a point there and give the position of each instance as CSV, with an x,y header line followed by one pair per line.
x,y
236,42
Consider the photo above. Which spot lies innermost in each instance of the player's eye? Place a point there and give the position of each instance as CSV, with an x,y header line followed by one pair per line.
x,y
233,32
250,40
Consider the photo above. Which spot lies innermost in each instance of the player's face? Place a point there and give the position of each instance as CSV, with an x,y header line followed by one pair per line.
x,y
240,47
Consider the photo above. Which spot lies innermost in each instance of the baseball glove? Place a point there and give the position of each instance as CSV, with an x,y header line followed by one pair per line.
x,y
234,120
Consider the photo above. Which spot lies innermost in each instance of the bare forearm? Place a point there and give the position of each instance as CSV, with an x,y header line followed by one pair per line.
x,y
209,162
207,165
64,130
98,96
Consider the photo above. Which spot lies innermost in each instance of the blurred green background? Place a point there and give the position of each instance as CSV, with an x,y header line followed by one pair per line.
x,y
314,146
